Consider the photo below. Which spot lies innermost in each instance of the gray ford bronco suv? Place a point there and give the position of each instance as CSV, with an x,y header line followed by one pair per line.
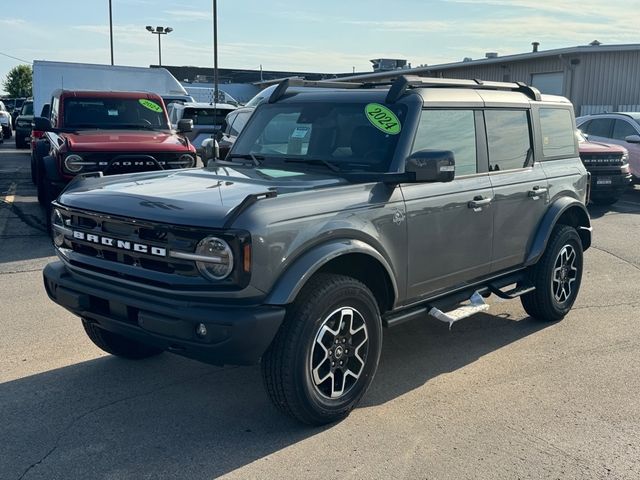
x,y
339,211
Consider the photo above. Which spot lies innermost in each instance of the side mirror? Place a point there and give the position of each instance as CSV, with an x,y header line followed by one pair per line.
x,y
185,125
431,165
210,149
42,124
632,139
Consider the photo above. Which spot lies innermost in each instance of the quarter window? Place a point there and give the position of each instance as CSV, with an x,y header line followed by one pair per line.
x,y
453,130
508,139
622,129
558,137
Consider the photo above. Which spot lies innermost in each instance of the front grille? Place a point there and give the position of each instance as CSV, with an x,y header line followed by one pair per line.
x,y
113,163
132,232
601,160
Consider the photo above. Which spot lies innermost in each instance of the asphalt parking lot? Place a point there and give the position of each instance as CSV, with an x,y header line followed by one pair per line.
x,y
500,396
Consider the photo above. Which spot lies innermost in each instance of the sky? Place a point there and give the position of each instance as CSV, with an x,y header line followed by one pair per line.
x,y
327,36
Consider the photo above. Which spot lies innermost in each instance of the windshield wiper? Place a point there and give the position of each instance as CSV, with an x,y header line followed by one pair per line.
x,y
314,161
257,159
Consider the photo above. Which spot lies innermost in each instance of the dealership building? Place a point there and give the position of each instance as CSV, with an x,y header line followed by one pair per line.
x,y
595,77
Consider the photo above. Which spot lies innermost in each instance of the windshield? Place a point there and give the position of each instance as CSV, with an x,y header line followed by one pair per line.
x,y
27,108
114,113
345,135
205,116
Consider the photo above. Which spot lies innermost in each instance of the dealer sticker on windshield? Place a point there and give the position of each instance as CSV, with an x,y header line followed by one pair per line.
x,y
150,105
382,118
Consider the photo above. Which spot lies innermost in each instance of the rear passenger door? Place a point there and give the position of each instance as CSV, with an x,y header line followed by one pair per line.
x,y
519,185
449,239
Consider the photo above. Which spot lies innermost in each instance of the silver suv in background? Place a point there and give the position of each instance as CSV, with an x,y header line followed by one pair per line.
x,y
207,118
617,128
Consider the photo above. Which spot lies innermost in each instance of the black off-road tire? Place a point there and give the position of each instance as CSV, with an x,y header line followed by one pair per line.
x,y
288,363
542,304
117,344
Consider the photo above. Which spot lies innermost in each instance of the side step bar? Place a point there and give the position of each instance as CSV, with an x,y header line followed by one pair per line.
x,y
448,308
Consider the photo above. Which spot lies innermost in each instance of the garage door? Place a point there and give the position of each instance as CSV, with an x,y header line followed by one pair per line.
x,y
551,83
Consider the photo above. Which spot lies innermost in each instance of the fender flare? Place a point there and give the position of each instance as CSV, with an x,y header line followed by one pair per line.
x,y
549,221
302,269
50,166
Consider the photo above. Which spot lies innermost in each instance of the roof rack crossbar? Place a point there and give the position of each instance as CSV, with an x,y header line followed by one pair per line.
x,y
282,87
404,82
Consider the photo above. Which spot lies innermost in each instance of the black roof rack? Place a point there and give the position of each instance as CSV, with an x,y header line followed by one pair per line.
x,y
405,82
402,83
298,82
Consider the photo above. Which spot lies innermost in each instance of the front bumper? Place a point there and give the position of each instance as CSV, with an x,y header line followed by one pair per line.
x,y
605,184
237,335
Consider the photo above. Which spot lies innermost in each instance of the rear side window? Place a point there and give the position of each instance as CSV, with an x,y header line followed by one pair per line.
x,y
558,137
600,127
453,130
508,139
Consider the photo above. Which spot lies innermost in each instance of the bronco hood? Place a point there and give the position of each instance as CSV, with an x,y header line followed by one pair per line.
x,y
124,141
196,197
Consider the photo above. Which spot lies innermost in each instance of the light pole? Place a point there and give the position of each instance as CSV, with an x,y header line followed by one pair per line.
x,y
159,31
111,31
215,52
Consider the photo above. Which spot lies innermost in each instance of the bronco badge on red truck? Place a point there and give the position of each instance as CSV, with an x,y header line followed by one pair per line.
x,y
107,132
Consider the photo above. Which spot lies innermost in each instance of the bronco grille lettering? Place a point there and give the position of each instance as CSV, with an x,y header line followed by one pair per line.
x,y
121,244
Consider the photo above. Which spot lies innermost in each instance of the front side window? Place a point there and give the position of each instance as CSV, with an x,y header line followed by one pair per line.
x,y
239,123
622,129
453,130
558,137
508,139
339,133
600,127
114,113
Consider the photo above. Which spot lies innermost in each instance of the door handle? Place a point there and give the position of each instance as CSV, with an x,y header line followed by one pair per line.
x,y
536,192
478,202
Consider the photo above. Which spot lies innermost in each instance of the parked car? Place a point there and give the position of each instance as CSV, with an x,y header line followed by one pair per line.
x,y
231,128
622,128
35,136
15,111
337,213
609,169
207,119
5,121
23,125
105,133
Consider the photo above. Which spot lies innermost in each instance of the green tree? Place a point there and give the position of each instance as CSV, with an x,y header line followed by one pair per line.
x,y
18,81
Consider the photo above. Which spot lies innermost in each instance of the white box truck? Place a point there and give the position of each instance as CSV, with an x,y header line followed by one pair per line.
x,y
50,76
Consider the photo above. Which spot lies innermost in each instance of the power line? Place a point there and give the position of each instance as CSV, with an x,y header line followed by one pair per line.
x,y
16,58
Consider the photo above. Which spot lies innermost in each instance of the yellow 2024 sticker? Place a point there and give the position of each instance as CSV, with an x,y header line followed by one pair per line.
x,y
382,118
150,105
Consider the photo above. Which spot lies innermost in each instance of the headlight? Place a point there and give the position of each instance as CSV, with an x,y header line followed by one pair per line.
x,y
218,251
75,163
625,157
57,228
186,160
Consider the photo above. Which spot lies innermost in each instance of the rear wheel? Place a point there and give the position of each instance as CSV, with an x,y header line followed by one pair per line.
x,y
326,353
117,344
556,276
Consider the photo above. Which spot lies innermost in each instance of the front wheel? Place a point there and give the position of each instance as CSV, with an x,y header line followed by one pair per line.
x,y
326,353
556,276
